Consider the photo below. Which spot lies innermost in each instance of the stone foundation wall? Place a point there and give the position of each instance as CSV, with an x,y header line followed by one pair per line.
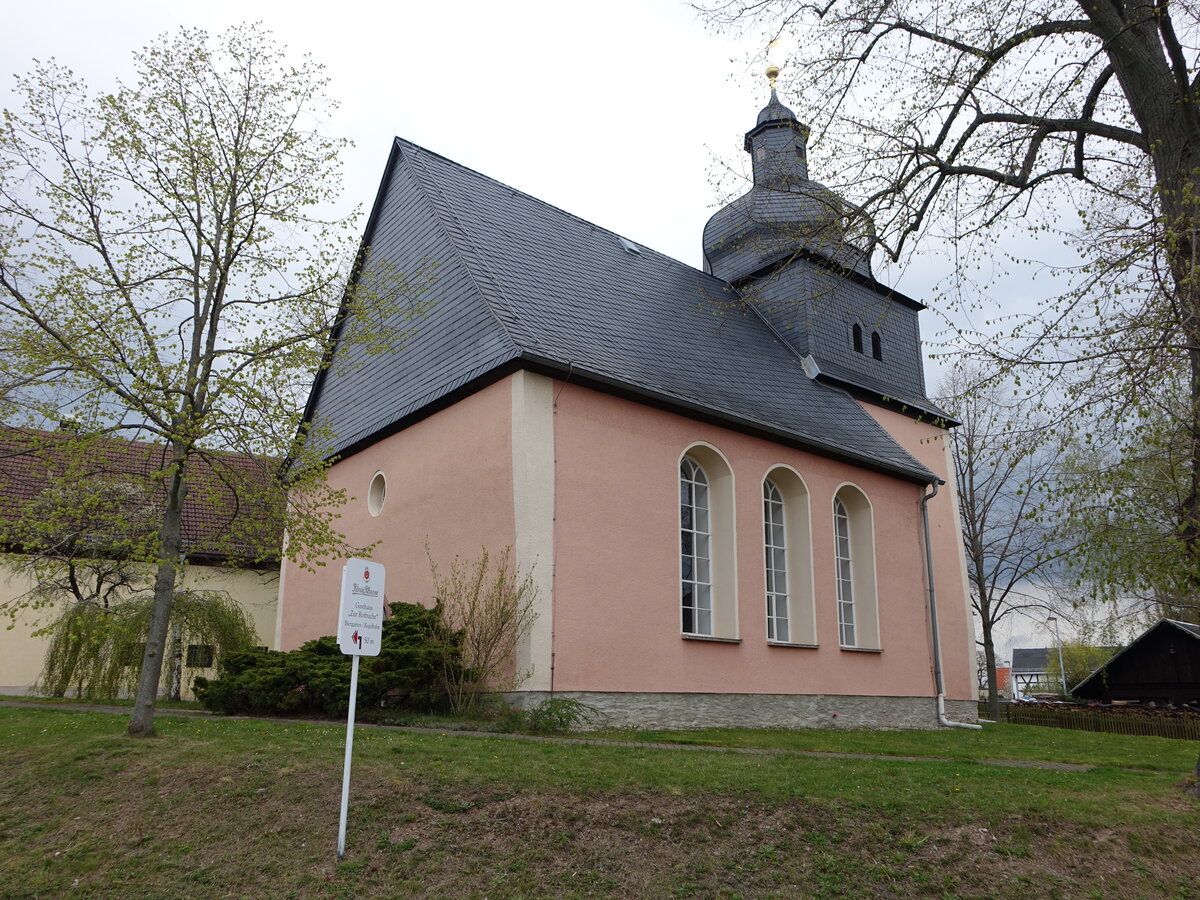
x,y
647,710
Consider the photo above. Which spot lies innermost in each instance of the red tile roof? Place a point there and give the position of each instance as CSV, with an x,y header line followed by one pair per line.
x,y
232,510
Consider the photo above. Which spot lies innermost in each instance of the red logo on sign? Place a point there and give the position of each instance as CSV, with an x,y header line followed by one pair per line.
x,y
366,574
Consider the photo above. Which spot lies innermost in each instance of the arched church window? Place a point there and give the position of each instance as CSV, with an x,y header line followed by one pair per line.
x,y
696,540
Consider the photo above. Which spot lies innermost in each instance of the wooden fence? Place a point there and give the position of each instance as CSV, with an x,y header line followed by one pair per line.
x,y
1084,719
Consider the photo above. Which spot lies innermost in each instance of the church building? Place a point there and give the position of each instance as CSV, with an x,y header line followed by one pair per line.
x,y
733,494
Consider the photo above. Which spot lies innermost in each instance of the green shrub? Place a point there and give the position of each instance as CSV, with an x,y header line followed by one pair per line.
x,y
559,715
315,679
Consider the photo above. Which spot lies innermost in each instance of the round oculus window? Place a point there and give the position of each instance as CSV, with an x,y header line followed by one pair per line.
x,y
376,494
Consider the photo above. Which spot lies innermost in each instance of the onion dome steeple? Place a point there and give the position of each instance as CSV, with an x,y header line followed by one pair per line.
x,y
784,211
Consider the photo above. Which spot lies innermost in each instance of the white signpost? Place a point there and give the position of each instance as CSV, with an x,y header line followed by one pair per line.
x,y
360,633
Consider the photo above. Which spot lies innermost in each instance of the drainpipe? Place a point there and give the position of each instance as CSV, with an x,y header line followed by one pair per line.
x,y
933,619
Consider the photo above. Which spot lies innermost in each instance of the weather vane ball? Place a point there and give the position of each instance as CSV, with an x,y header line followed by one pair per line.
x,y
772,74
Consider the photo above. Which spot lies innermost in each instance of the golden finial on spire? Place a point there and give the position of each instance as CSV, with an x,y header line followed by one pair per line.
x,y
772,74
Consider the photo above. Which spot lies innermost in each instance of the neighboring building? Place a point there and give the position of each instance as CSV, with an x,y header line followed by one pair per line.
x,y
716,477
1003,683
1031,670
228,547
1161,665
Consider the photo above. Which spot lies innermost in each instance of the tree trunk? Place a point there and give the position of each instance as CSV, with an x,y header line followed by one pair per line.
x,y
1165,107
989,655
170,544
63,683
1181,214
176,663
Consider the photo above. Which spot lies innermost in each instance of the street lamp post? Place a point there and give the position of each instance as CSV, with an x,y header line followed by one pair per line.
x,y
1062,671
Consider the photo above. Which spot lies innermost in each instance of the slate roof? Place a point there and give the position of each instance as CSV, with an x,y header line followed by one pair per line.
x,y
218,526
518,283
774,111
764,226
1030,660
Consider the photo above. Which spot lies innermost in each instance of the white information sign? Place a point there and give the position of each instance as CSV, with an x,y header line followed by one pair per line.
x,y
360,616
360,633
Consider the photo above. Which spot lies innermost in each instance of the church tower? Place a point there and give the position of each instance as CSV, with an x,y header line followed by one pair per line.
x,y
784,246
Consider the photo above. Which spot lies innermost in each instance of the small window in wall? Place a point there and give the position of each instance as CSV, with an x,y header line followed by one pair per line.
x,y
376,494
199,656
133,654
876,345
857,333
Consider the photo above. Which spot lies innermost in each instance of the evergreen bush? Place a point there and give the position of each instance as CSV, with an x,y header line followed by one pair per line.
x,y
315,679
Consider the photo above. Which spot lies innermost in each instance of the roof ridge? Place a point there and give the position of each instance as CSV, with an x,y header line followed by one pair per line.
x,y
1190,627
422,184
558,209
35,434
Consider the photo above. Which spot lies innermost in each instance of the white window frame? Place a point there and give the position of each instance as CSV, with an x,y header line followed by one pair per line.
x,y
844,573
722,596
857,584
775,562
695,530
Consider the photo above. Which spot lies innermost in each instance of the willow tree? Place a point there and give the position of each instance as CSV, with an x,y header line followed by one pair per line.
x,y
166,254
91,645
969,119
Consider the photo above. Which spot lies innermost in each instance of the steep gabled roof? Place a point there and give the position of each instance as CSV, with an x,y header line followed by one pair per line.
x,y
219,525
517,283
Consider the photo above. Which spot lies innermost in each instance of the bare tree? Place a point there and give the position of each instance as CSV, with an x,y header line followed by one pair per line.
x,y
162,252
1007,472
489,606
968,119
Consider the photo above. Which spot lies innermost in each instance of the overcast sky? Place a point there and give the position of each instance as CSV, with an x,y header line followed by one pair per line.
x,y
621,112
614,111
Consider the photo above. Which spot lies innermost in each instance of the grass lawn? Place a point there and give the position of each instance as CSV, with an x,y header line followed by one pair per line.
x,y
218,808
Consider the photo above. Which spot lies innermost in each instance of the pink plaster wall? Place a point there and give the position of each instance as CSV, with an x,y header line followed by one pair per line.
x,y
617,619
616,588
927,443
449,481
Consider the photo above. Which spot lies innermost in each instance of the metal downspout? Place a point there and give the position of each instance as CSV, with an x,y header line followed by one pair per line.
x,y
933,619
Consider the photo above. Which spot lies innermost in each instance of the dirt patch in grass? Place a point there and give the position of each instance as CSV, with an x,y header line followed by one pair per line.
x,y
127,826
227,809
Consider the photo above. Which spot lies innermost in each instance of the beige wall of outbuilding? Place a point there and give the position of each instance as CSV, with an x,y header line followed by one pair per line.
x,y
22,651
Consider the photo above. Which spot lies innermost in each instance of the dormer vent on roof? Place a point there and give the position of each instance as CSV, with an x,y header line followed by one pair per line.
x,y
784,211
